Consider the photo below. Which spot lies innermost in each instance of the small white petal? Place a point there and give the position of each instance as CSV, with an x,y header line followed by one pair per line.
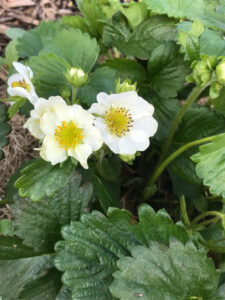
x,y
127,146
48,123
18,91
140,139
97,109
14,78
51,151
34,127
81,153
92,137
146,124
102,97
23,70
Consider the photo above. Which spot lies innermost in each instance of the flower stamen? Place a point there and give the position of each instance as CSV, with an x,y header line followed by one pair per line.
x,y
22,84
68,135
118,120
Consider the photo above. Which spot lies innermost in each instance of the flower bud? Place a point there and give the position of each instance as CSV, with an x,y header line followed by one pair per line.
x,y
202,73
125,86
220,72
76,76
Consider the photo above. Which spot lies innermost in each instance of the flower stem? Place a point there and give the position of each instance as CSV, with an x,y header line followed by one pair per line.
x,y
184,211
190,100
206,214
74,92
166,162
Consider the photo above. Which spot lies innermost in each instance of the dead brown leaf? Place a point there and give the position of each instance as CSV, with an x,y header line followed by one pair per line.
x,y
17,3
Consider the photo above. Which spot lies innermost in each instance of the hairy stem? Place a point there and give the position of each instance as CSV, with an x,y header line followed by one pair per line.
x,y
184,211
206,214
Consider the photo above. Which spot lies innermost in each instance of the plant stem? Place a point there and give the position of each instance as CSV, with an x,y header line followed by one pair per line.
x,y
190,100
184,211
206,214
74,92
166,162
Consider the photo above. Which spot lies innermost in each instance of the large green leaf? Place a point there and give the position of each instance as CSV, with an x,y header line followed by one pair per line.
x,y
92,247
39,224
77,48
135,12
32,42
190,9
41,179
126,69
4,128
143,40
102,80
167,70
175,273
211,164
49,70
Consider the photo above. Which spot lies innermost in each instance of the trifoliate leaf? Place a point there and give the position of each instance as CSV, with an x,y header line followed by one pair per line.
x,y
49,70
33,41
41,179
39,224
176,273
16,274
193,10
126,68
4,128
102,80
78,49
167,70
143,40
92,246
210,164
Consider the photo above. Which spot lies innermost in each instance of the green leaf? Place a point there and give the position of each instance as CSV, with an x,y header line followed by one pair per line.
x,y
92,247
11,53
210,42
143,40
193,10
4,127
49,71
126,69
12,248
13,109
102,80
15,32
135,12
64,294
16,274
219,102
176,273
78,49
167,70
33,41
6,227
39,224
77,22
41,179
210,164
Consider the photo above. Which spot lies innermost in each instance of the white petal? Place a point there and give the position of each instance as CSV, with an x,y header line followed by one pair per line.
x,y
92,137
51,151
23,70
81,152
48,123
102,97
14,78
110,140
140,139
56,99
18,91
147,124
127,146
34,127
97,109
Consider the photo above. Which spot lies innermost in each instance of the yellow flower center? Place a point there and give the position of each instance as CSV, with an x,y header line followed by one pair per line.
x,y
22,84
118,120
68,135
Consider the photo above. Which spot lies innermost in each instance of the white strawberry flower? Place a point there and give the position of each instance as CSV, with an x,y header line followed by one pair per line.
x,y
67,131
34,123
125,121
20,83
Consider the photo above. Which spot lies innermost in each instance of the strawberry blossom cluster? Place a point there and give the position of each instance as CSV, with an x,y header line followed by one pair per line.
x,y
123,121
